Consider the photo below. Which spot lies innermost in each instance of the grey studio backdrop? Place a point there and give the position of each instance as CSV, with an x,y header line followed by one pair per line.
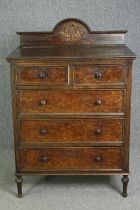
x,y
42,15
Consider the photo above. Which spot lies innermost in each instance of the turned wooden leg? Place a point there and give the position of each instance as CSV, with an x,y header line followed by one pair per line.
x,y
19,181
125,181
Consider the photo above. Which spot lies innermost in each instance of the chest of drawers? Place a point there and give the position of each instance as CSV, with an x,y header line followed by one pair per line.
x,y
71,94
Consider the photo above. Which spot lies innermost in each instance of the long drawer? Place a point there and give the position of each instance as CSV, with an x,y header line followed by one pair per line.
x,y
71,159
76,101
71,130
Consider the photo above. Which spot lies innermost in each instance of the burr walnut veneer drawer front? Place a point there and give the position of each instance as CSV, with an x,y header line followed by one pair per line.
x,y
71,130
90,74
60,101
43,75
71,158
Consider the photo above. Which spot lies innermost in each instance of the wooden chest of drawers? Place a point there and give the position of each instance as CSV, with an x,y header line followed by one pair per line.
x,y
71,93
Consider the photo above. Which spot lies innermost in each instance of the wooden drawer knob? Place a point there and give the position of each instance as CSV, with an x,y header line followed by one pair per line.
x,y
98,131
43,75
98,75
43,131
98,159
44,159
43,102
98,102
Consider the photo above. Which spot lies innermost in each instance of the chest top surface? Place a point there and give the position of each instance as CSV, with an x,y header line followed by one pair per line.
x,y
71,38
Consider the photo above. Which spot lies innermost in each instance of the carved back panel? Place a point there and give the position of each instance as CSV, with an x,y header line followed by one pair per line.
x,y
71,31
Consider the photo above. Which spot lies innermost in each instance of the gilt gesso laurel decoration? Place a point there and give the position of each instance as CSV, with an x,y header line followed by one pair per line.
x,y
72,32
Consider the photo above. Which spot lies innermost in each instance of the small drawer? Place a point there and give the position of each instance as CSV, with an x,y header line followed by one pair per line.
x,y
43,75
71,158
90,74
67,101
71,130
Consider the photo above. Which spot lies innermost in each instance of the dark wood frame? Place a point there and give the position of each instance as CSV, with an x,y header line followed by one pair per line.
x,y
26,55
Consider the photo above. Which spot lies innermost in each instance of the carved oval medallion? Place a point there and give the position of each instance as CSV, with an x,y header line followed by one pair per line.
x,y
72,31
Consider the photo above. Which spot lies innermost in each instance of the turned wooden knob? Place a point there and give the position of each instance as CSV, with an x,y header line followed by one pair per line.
x,y
43,131
98,102
98,131
44,159
98,75
98,159
43,102
43,75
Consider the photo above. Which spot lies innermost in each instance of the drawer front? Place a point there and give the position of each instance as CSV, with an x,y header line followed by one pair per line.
x,y
43,75
69,130
77,101
98,73
71,158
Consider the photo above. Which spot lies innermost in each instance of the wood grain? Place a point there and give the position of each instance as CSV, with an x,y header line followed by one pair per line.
x,y
43,75
71,158
71,101
90,74
71,130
